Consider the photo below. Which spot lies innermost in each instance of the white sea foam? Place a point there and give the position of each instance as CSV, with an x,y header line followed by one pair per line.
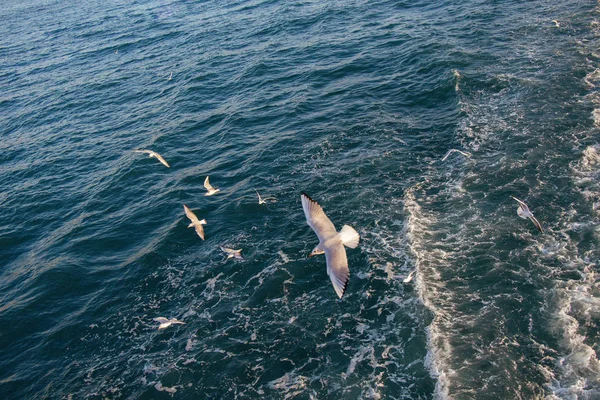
x,y
159,386
417,225
290,385
190,344
210,286
575,300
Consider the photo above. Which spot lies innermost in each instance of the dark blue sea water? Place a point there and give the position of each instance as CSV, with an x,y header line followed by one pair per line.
x,y
353,102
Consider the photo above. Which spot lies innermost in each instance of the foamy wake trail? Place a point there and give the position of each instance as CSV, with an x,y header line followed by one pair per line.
x,y
592,79
417,224
576,301
577,306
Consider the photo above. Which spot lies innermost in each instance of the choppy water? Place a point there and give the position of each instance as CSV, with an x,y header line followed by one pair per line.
x,y
354,102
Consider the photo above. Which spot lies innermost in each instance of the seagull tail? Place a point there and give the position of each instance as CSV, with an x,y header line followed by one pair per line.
x,y
349,236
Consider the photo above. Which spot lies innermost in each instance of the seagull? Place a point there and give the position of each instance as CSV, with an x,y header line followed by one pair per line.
x,y
154,154
165,323
170,76
208,186
464,153
197,224
264,201
409,277
457,76
231,253
331,243
523,212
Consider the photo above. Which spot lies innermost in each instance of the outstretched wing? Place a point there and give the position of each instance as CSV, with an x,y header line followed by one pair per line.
x,y
190,214
536,222
199,230
337,268
316,218
162,160
162,320
207,184
522,204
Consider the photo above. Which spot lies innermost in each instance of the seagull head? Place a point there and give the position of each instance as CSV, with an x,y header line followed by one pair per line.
x,y
316,251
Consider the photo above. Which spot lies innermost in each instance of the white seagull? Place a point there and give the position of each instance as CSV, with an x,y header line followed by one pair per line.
x,y
197,224
264,201
154,154
457,76
208,186
409,277
331,243
165,323
464,153
523,212
231,253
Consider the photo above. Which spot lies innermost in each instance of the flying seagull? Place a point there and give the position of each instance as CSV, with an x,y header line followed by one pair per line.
x,y
231,253
464,153
197,224
331,243
523,212
165,323
208,186
154,154
264,201
457,76
409,277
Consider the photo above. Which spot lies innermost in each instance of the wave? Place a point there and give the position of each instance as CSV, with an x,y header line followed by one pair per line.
x,y
575,299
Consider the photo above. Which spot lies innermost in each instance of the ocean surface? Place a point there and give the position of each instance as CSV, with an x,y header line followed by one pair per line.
x,y
353,102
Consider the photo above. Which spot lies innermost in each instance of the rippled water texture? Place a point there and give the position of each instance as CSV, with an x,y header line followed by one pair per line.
x,y
355,103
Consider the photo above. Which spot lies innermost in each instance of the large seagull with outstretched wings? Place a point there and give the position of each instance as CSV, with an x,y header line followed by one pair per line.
x,y
331,242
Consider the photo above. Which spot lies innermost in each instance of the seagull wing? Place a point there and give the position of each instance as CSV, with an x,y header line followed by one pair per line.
x,y
162,320
232,253
260,200
337,268
207,184
143,151
190,214
522,203
409,277
317,219
464,153
199,230
229,251
162,160
536,223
